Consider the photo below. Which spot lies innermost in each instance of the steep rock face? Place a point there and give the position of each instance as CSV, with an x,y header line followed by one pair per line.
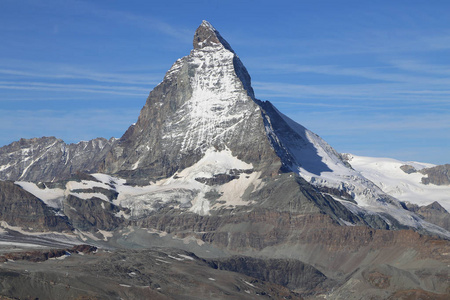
x,y
205,101
22,209
49,158
91,214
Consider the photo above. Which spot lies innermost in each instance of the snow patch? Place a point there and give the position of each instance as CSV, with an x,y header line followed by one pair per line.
x,y
106,234
51,197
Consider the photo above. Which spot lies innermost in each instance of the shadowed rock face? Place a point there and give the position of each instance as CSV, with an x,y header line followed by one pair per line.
x,y
286,272
22,209
91,214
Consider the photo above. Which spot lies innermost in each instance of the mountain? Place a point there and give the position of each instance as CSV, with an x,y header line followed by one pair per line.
x,y
50,159
210,169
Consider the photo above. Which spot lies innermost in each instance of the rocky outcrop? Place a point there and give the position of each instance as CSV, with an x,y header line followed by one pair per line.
x,y
439,175
408,169
433,213
22,209
92,214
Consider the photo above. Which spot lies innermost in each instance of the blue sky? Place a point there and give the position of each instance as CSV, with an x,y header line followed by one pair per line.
x,y
370,77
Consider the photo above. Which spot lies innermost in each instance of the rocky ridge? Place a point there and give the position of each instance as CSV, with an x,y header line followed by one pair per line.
x,y
50,159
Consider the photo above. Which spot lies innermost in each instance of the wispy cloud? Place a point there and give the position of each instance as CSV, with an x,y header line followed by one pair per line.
x,y
54,77
104,12
55,87
74,73
386,73
421,67
379,93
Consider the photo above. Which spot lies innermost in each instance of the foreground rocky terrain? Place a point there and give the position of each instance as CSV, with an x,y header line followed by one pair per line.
x,y
214,194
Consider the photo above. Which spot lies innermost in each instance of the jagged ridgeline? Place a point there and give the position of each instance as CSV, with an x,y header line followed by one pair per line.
x,y
209,168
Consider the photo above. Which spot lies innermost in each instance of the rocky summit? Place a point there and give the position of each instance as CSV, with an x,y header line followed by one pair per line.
x,y
210,181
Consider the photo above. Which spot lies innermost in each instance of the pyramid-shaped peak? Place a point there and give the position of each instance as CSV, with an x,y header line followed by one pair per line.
x,y
207,36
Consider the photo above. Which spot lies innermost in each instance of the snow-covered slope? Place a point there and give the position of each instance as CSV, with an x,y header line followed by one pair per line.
x,y
387,174
218,180
308,155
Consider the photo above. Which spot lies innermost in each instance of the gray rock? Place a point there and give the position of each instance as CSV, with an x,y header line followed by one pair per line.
x,y
438,175
433,213
408,169
50,159
22,209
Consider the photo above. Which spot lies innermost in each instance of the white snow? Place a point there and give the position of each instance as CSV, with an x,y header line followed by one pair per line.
x,y
318,163
106,234
87,196
212,112
233,191
386,174
176,258
185,257
54,197
51,197
4,167
183,188
85,185
84,235
164,261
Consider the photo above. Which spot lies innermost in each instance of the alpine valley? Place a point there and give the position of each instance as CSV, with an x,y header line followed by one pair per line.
x,y
214,194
